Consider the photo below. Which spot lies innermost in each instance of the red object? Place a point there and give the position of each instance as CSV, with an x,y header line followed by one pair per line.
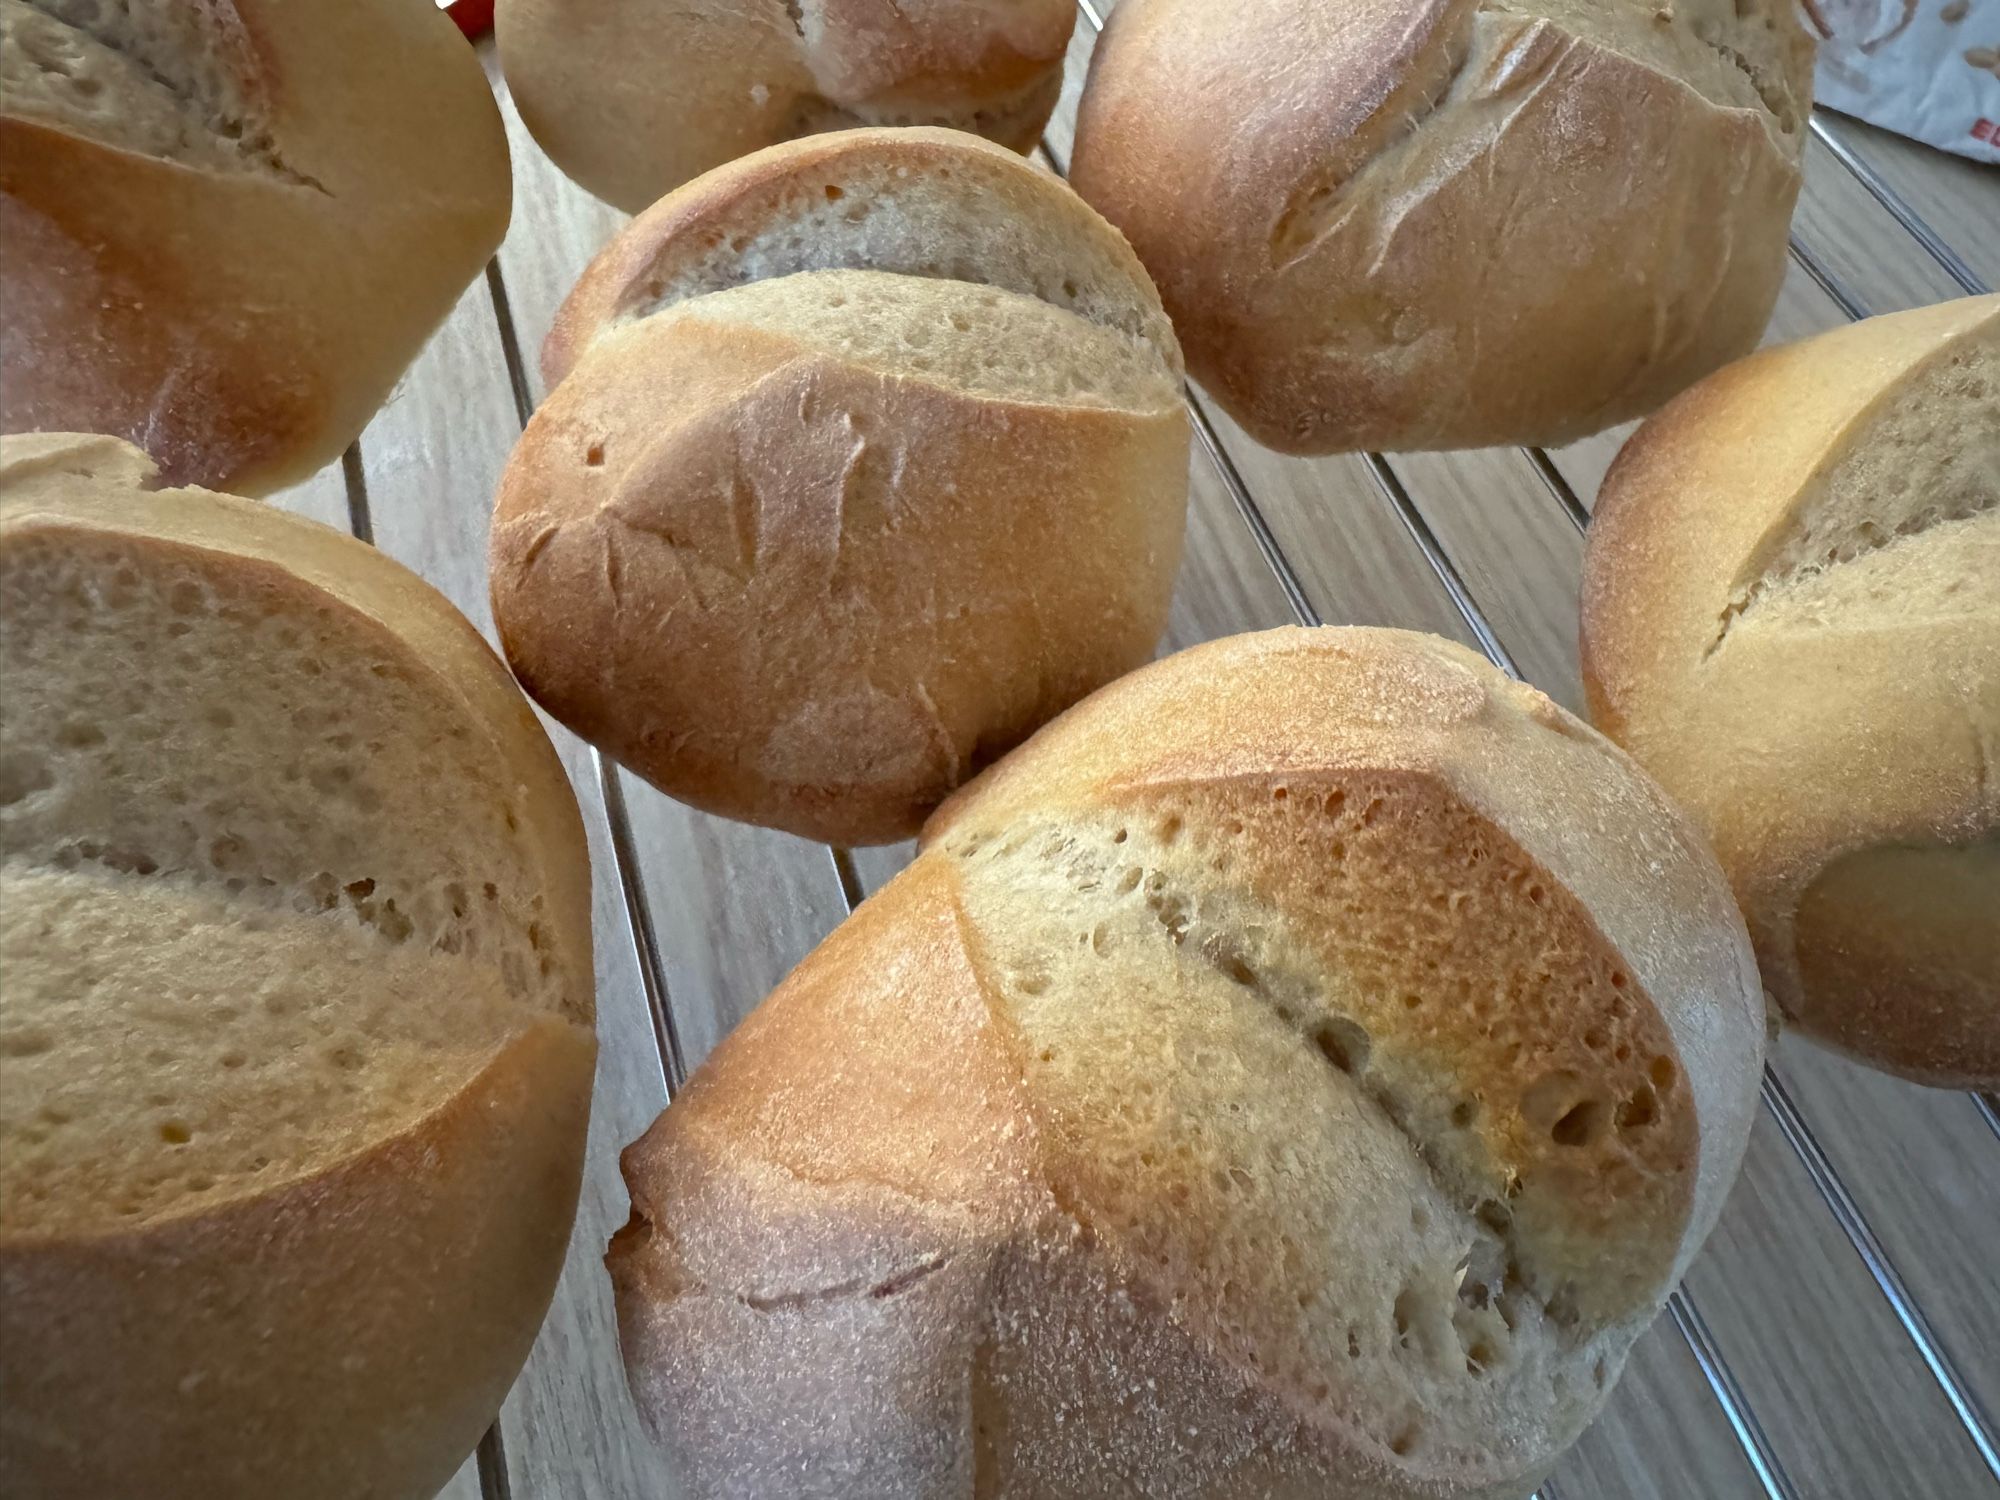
x,y
1986,130
474,17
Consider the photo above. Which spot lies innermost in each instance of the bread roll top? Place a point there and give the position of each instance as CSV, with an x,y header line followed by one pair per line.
x,y
222,242
1789,615
158,852
868,456
633,99
934,205
1309,1062
1450,224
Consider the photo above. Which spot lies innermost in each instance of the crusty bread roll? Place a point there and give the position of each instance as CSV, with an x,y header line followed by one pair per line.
x,y
295,1001
1301,1070
868,456
1433,224
1791,615
226,227
632,98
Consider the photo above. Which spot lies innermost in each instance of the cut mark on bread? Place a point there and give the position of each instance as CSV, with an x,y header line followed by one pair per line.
x,y
261,867
174,81
951,215
1778,101
979,340
856,1288
1732,53
1053,900
1919,465
1312,210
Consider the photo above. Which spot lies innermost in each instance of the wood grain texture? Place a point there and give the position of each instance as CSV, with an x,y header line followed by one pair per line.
x,y
1958,198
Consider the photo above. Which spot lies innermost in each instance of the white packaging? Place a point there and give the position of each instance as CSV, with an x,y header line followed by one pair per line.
x,y
1928,69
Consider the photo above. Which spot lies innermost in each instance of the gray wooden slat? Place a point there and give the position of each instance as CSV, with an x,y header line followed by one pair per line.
x,y
464,1485
1861,241
1956,199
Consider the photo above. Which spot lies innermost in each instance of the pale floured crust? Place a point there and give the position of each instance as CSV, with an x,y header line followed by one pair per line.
x,y
1788,616
973,214
1453,224
633,99
296,1035
219,242
781,538
1304,1067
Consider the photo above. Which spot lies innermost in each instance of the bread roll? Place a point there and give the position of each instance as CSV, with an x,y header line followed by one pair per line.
x,y
633,98
1301,1070
227,227
1433,224
868,456
1791,615
295,1002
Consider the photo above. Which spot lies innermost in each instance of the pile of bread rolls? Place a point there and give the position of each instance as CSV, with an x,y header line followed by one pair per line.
x,y
1300,1066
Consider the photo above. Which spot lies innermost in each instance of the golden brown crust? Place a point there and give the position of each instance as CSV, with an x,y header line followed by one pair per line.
x,y
393,1251
349,1334
242,312
1454,224
1085,1158
781,538
1784,619
632,100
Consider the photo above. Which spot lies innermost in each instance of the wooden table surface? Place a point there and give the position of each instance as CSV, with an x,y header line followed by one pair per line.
x,y
1840,1337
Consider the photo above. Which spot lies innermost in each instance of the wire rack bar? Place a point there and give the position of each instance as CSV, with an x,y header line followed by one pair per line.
x,y
1989,1110
1827,282
1971,1414
631,887
1750,1435
1878,186
1253,517
491,1457
1391,485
